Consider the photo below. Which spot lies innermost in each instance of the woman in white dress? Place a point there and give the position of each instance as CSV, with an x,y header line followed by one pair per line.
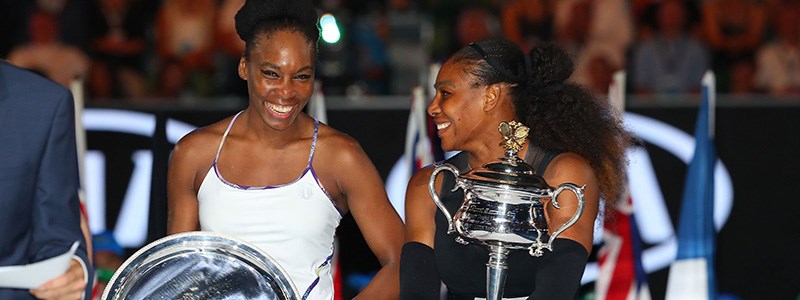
x,y
274,176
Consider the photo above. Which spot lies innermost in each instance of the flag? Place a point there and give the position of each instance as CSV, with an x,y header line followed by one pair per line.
x,y
337,271
76,87
691,276
418,150
417,154
621,274
316,106
418,147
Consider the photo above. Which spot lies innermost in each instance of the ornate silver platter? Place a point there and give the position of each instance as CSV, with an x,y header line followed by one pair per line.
x,y
200,265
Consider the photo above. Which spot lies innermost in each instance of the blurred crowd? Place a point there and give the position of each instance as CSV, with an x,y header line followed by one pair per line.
x,y
184,50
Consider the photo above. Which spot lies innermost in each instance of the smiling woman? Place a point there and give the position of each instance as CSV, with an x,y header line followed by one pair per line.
x,y
280,77
276,177
574,138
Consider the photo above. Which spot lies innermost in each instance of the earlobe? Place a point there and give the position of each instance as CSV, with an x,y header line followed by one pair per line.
x,y
243,68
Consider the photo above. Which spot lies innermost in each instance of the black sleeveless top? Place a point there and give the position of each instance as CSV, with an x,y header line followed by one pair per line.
x,y
462,268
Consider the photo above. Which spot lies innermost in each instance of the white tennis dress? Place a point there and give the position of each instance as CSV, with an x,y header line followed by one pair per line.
x,y
294,222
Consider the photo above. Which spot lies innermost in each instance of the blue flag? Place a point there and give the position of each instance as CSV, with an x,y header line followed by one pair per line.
x,y
692,275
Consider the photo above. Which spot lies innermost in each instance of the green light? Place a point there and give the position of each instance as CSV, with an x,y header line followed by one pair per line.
x,y
330,30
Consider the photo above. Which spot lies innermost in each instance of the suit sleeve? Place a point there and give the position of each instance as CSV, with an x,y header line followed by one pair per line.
x,y
56,214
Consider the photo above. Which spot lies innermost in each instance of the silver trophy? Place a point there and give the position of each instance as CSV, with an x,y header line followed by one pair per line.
x,y
200,265
503,208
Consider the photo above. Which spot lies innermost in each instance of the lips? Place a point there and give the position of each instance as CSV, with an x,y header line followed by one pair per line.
x,y
442,127
279,110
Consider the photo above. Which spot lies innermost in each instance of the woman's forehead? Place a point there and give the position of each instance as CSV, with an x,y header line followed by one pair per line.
x,y
285,44
282,36
455,71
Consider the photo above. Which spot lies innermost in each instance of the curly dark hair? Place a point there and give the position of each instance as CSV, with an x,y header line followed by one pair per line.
x,y
264,17
563,116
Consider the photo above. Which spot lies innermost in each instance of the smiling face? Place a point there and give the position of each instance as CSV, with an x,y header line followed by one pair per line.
x,y
279,71
457,108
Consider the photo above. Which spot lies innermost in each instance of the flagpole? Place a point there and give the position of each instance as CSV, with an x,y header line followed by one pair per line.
x,y
616,92
316,106
76,87
709,84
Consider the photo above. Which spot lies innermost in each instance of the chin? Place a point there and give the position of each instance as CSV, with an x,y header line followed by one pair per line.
x,y
447,146
276,123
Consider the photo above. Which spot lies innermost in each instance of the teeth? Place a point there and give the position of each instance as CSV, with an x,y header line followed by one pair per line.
x,y
279,108
442,125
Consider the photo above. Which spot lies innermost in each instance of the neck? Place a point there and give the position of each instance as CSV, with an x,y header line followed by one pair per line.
x,y
491,152
258,130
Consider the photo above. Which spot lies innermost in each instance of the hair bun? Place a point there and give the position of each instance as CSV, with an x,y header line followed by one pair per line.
x,y
254,12
550,64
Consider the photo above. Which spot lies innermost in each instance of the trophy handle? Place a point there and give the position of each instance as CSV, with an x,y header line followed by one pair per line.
x,y
579,193
432,190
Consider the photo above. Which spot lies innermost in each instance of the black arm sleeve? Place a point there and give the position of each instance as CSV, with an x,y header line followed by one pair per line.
x,y
560,271
418,277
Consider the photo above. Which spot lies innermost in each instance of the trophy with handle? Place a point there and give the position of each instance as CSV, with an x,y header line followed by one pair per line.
x,y
503,209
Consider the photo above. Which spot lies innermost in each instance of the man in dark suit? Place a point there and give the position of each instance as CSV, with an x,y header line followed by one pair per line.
x,y
39,207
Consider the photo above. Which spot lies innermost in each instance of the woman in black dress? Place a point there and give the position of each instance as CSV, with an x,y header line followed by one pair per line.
x,y
574,137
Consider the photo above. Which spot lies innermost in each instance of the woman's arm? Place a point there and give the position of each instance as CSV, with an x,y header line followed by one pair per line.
x,y
418,276
181,193
380,225
420,209
559,273
571,168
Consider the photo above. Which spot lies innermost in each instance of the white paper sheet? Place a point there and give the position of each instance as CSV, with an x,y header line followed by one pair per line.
x,y
33,275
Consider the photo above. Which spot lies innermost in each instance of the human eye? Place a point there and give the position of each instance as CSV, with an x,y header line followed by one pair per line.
x,y
270,74
303,77
444,93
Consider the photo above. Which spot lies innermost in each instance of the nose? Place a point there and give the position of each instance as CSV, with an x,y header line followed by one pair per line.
x,y
433,107
286,91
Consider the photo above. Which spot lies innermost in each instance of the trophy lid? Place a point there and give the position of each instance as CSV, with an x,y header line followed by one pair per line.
x,y
509,170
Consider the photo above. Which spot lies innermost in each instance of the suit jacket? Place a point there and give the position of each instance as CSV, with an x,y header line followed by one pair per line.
x,y
39,206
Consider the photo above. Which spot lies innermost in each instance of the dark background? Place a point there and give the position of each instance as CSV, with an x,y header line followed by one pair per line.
x,y
756,249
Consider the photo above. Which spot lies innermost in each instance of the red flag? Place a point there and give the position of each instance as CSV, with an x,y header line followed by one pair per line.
x,y
621,273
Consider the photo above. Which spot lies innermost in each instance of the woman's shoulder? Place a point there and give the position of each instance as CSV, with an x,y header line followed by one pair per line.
x,y
421,177
332,142
569,160
569,164
202,140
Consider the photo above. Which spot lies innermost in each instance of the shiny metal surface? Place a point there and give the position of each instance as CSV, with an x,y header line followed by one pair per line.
x,y
200,265
503,207
508,215
501,217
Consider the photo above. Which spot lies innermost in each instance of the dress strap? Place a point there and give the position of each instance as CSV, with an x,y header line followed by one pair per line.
x,y
539,158
225,135
313,143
